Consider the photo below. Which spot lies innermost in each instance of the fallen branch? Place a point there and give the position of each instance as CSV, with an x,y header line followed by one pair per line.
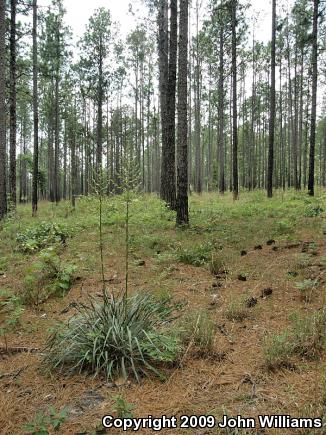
x,y
14,374
19,349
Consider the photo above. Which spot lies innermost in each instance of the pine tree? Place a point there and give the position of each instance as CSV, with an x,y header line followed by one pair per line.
x,y
182,149
272,107
13,97
3,157
311,180
35,113
235,180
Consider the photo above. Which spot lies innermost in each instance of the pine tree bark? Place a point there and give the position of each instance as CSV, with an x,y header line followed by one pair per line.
x,y
182,149
23,173
301,112
272,108
295,122
163,53
64,187
35,113
253,110
73,159
167,65
3,157
197,88
12,98
235,180
56,116
209,160
170,152
221,111
311,178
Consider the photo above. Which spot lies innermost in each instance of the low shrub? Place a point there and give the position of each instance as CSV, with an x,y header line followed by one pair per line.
x,y
285,227
120,337
313,210
11,306
47,276
42,235
196,256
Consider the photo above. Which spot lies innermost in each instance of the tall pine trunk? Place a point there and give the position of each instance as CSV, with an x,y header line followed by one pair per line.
x,y
182,161
197,91
56,117
235,186
167,66
272,108
12,98
221,182
3,157
35,113
169,166
311,179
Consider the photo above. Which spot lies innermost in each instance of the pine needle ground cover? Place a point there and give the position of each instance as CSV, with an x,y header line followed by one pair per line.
x,y
213,360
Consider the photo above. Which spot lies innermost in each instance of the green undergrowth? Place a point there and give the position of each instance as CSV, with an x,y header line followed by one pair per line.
x,y
47,276
219,230
215,222
42,235
305,339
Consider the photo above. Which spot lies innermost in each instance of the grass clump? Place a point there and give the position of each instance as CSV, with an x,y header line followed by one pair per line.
x,y
40,236
237,310
277,353
217,265
47,276
305,338
197,329
120,337
306,288
303,260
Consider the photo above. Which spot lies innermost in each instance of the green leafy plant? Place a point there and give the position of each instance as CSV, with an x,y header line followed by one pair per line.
x,y
285,227
11,305
196,256
47,276
42,235
120,337
44,421
313,210
122,408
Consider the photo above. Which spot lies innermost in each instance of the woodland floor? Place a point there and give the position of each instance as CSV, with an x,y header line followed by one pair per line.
x,y
234,379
